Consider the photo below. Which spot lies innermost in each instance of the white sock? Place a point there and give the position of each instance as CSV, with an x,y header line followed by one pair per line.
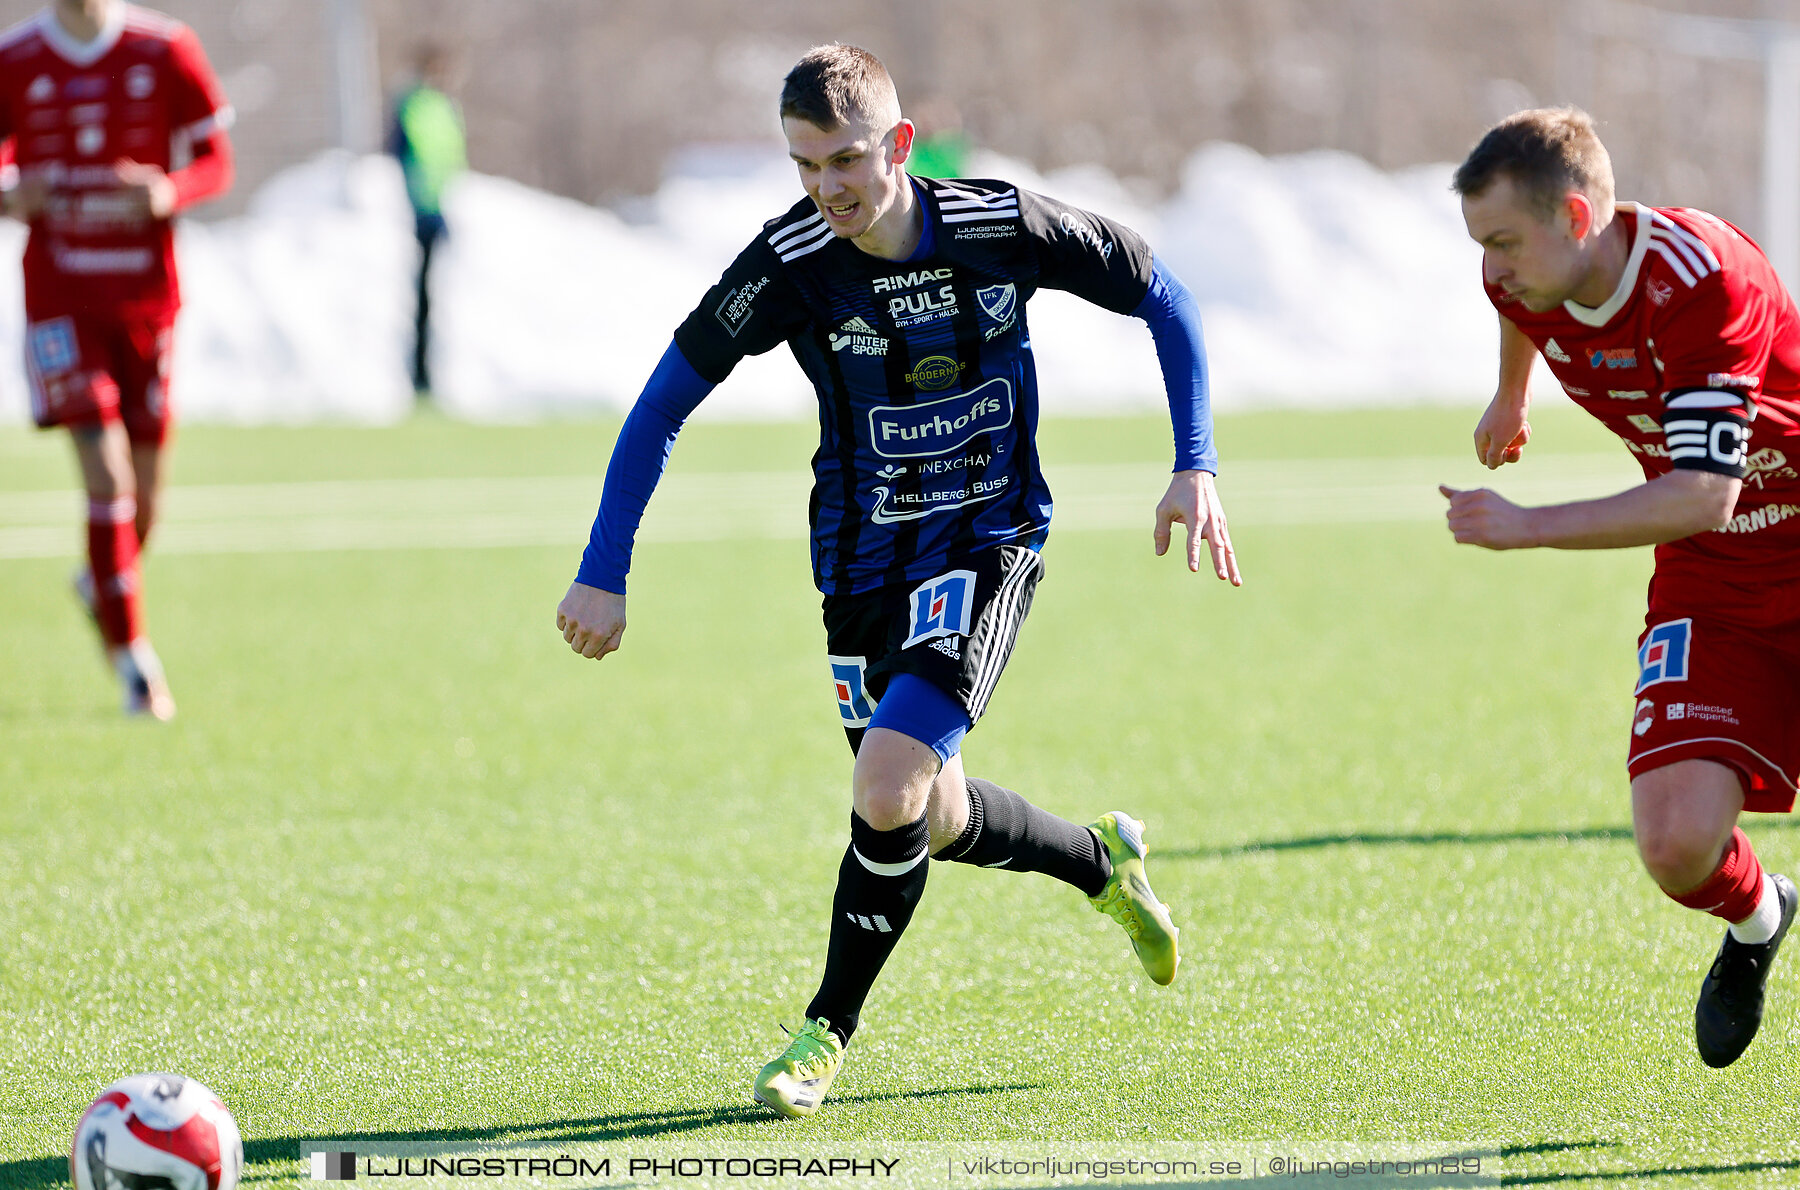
x,y
1760,926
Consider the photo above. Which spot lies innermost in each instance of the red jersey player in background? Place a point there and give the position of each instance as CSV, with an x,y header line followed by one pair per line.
x,y
113,121
1670,326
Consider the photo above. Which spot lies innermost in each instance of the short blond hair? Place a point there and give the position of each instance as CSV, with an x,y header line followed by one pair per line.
x,y
835,84
1547,152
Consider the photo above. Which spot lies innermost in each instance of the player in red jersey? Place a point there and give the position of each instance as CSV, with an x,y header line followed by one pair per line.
x,y
112,121
1671,327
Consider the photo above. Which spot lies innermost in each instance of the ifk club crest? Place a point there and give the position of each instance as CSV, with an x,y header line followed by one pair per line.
x,y
998,302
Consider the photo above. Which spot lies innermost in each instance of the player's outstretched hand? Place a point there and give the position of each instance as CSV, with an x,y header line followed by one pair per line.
x,y
1501,434
591,620
1192,500
1487,519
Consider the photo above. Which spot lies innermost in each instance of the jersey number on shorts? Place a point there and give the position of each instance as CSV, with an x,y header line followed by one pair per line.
x,y
942,607
1663,657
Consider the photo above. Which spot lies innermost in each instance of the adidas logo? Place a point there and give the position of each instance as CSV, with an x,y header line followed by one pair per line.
x,y
858,326
947,647
1552,351
879,925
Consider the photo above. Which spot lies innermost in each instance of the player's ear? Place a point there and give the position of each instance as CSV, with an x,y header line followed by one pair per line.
x,y
1578,210
903,140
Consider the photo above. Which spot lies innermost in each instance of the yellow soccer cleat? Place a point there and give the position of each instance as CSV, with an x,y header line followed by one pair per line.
x,y
1127,898
795,1083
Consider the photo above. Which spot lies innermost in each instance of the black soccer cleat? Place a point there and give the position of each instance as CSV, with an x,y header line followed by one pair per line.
x,y
1731,1000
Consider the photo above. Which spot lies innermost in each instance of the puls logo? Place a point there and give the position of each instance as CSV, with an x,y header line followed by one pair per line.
x,y
1613,357
912,309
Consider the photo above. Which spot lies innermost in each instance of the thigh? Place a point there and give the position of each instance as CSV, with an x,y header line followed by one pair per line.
x,y
141,349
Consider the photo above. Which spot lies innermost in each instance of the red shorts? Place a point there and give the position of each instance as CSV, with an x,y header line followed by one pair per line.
x,y
90,367
1719,679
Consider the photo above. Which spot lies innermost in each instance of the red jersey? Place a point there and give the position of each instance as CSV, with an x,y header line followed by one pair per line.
x,y
1699,318
72,110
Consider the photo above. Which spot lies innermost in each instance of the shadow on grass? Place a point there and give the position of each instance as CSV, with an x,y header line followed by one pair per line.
x,y
1637,1175
39,1173
1603,834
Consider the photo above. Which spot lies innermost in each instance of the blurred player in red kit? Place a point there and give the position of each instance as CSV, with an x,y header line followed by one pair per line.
x,y
113,122
1671,327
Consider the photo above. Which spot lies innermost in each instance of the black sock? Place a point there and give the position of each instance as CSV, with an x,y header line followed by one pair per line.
x,y
1007,831
879,884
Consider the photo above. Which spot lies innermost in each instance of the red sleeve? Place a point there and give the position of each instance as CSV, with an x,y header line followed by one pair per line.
x,y
209,175
1714,346
197,102
1719,337
200,112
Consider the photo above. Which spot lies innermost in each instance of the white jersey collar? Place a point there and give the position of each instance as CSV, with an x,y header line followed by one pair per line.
x,y
1640,245
83,53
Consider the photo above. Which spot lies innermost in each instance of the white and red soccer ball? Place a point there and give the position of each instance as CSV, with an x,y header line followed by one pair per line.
x,y
156,1132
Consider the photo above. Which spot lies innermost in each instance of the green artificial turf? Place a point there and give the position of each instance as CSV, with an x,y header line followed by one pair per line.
x,y
405,867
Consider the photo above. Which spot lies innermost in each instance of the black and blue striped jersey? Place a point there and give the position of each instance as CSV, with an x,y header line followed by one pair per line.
x,y
928,401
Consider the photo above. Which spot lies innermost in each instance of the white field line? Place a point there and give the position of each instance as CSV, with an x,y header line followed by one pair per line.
x,y
388,514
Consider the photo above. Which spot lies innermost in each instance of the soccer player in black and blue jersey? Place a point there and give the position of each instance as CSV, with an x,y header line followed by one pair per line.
x,y
903,300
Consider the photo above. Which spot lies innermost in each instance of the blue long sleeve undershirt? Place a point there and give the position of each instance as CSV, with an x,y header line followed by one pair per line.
x,y
1174,318
638,459
675,390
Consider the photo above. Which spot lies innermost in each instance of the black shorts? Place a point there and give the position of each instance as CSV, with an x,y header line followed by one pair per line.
x,y
956,631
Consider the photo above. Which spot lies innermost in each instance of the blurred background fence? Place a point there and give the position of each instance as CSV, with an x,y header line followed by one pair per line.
x,y
587,98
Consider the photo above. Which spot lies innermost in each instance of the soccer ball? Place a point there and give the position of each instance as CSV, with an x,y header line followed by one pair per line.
x,y
156,1132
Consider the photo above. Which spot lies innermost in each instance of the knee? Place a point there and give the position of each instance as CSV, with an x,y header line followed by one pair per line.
x,y
106,487
887,806
108,479
1676,859
892,782
1682,816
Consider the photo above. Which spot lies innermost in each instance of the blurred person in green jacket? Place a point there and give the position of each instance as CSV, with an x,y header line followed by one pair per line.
x,y
427,137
